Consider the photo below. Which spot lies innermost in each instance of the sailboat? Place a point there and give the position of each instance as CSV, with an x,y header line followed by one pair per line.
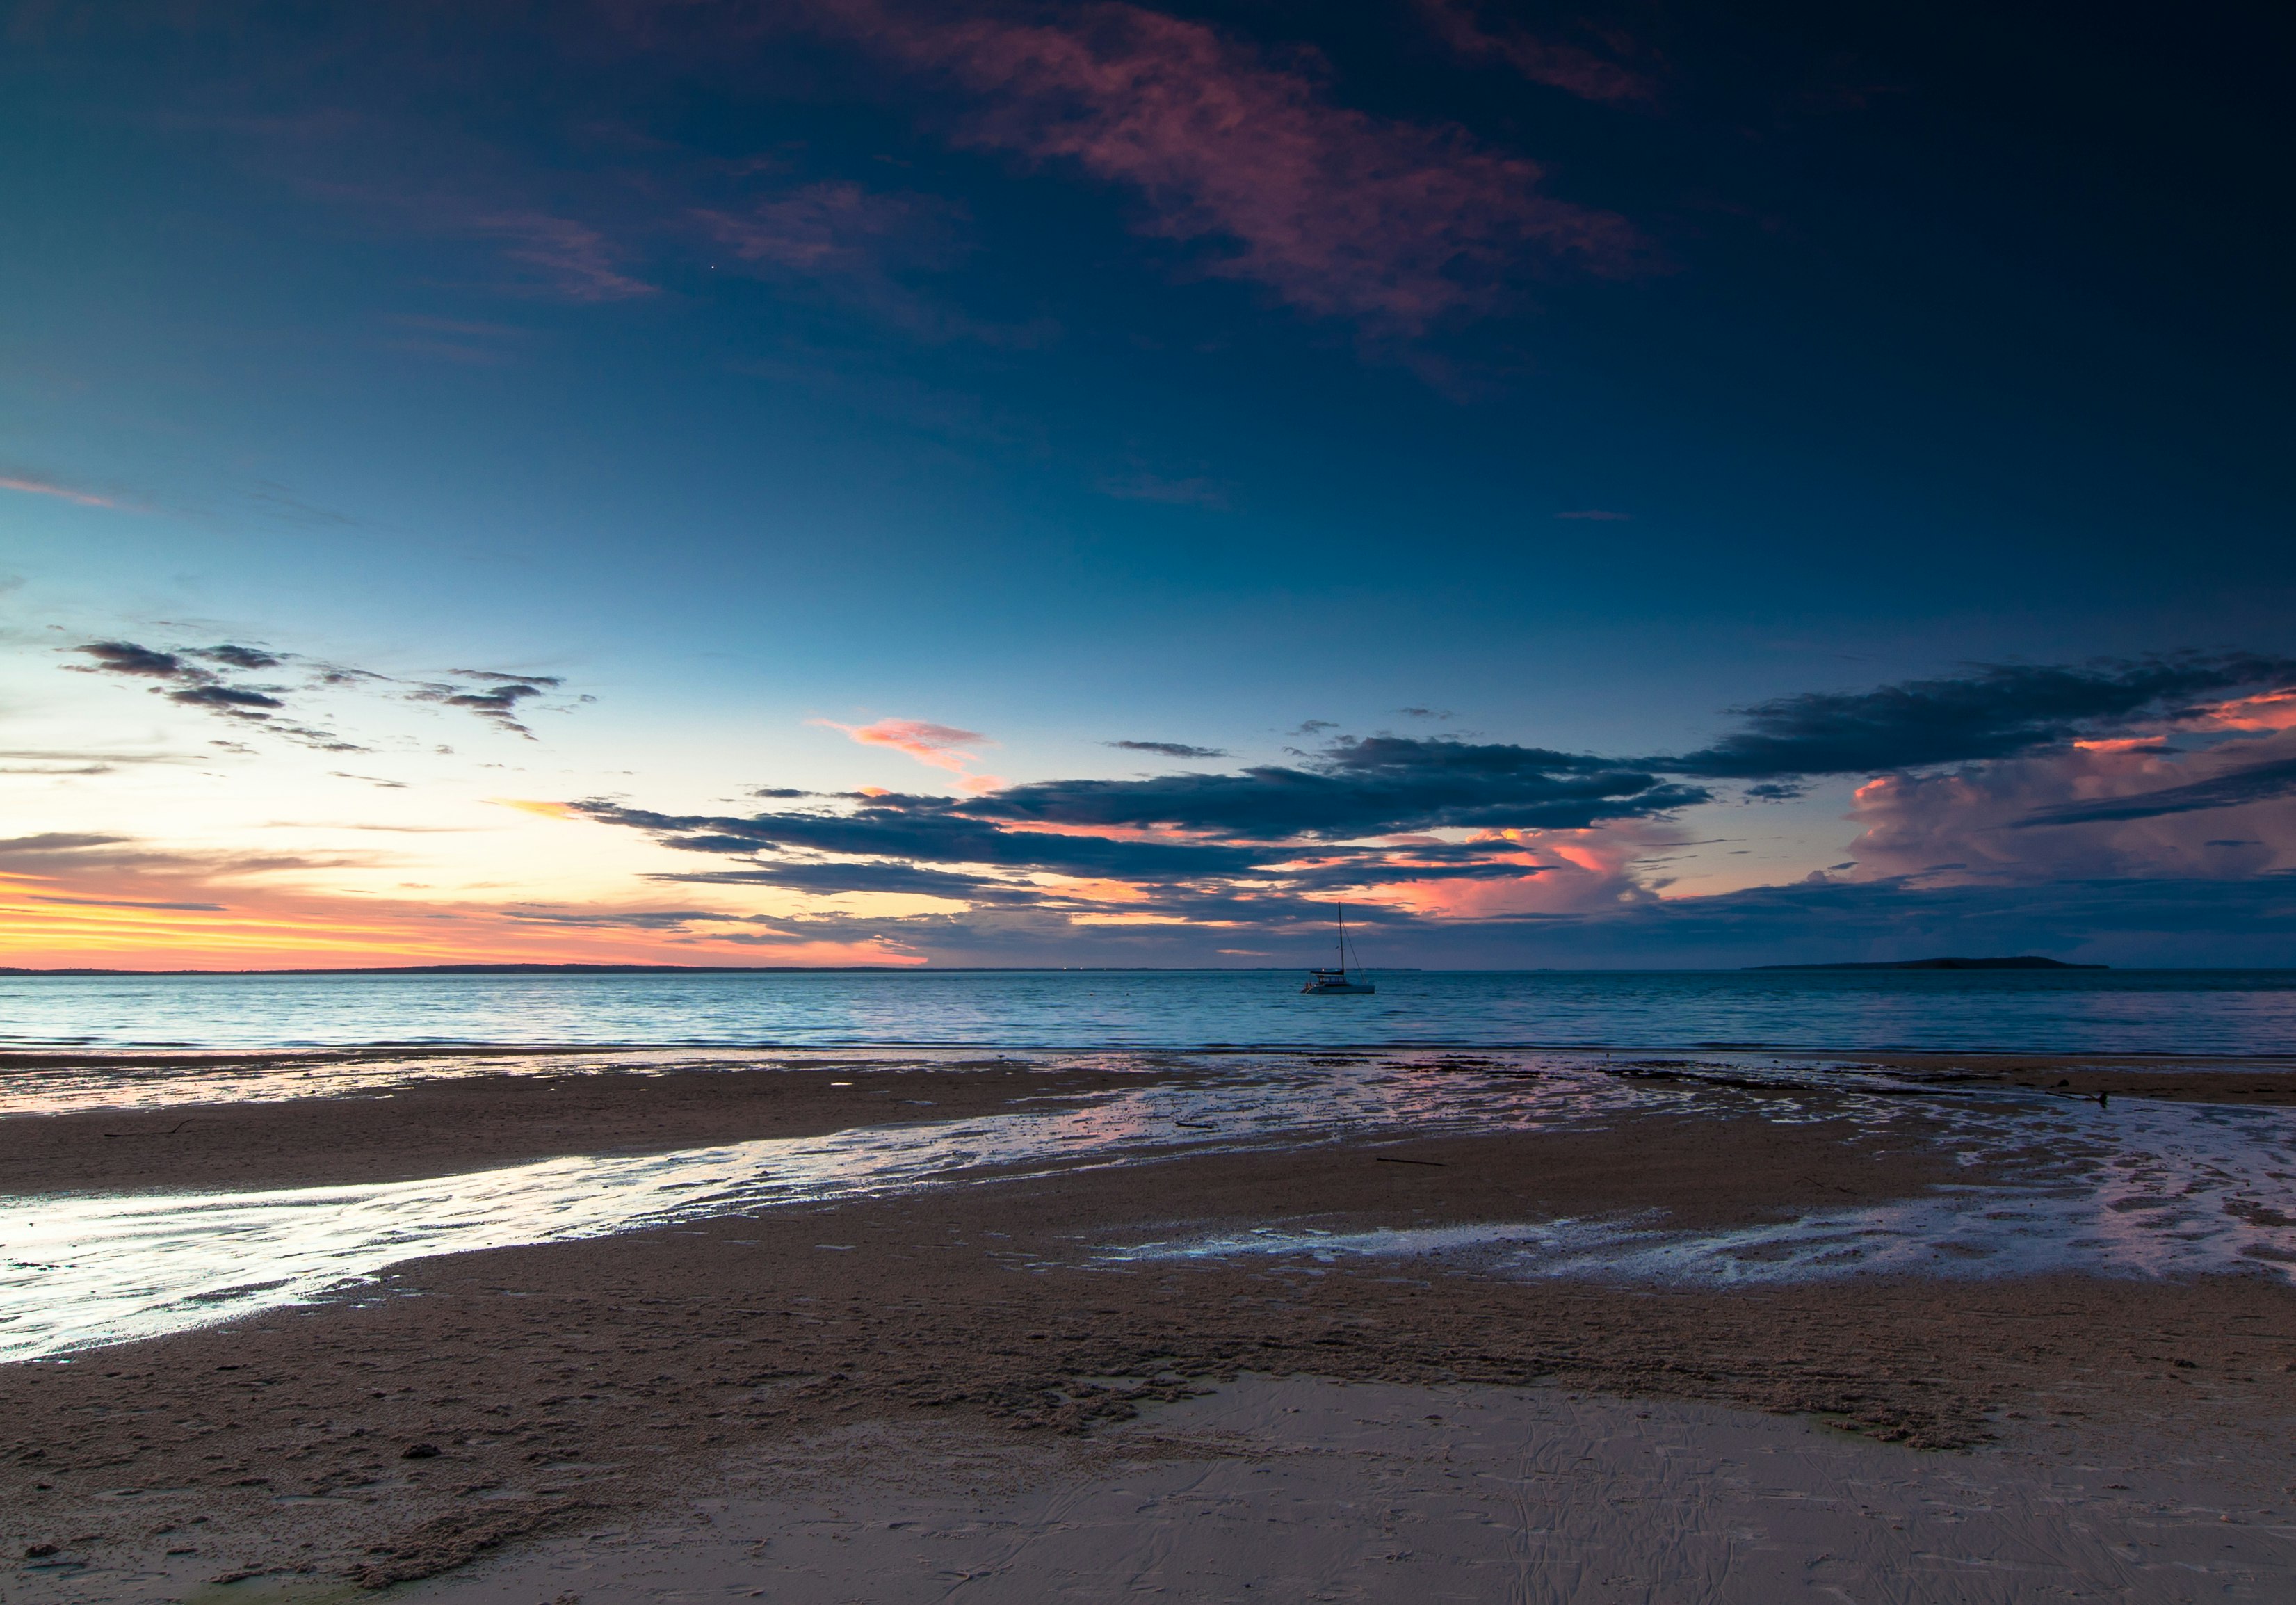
x,y
1324,982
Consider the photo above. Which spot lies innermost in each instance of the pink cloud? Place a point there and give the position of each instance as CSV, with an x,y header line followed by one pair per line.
x,y
1595,870
837,228
570,259
2270,710
942,746
1562,66
1962,826
857,244
1342,214
63,492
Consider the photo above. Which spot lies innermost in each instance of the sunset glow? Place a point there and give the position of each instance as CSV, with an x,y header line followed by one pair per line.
x,y
1014,486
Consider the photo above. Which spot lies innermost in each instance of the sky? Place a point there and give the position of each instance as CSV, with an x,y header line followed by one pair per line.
x,y
890,482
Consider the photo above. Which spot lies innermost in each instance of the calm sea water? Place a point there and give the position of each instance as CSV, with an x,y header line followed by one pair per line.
x,y
2162,1010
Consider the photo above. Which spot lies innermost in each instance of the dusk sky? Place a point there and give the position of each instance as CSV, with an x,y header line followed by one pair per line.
x,y
858,481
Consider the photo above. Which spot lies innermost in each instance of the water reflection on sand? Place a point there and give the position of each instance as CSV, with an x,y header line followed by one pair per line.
x,y
2148,1188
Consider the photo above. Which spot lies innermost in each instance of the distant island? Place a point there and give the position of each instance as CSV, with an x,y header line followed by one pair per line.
x,y
2022,962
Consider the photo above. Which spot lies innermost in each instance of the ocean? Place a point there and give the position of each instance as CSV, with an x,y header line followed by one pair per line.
x,y
2187,1012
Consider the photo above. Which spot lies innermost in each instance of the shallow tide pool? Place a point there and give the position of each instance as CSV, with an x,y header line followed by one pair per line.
x,y
2145,1189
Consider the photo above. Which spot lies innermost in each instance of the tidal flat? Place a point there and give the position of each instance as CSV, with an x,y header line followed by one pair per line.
x,y
374,1318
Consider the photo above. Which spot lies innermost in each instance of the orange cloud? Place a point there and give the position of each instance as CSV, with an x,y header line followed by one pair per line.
x,y
1092,891
941,746
2270,710
548,810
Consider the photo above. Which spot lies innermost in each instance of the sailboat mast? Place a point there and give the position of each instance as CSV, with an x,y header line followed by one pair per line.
x,y
1343,938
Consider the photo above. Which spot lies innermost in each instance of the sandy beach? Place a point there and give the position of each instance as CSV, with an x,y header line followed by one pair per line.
x,y
1013,1352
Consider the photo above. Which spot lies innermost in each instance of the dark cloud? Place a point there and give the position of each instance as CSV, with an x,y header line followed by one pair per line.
x,y
194,685
1259,852
323,740
89,867
2121,921
38,760
1262,850
669,918
2260,783
931,829
1262,845
497,705
227,698
1168,748
372,780
56,842
1351,874
1821,920
126,658
498,702
240,657
830,877
490,694
1377,786
532,682
1998,711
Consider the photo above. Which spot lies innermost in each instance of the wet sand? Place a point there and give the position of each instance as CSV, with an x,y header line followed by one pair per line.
x,y
424,1128
474,1401
441,1121
2247,1082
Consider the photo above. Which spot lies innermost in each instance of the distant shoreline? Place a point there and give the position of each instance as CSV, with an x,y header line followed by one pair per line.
x,y
2022,961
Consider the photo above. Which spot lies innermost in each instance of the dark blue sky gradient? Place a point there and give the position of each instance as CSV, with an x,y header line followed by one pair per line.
x,y
1950,335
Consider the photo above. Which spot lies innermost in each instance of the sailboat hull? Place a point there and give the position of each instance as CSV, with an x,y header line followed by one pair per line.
x,y
1333,981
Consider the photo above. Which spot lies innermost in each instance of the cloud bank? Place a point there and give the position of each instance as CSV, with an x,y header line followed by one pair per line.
x,y
2027,780
196,677
1996,711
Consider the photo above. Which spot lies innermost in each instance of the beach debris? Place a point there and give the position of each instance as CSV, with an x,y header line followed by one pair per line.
x,y
451,1540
